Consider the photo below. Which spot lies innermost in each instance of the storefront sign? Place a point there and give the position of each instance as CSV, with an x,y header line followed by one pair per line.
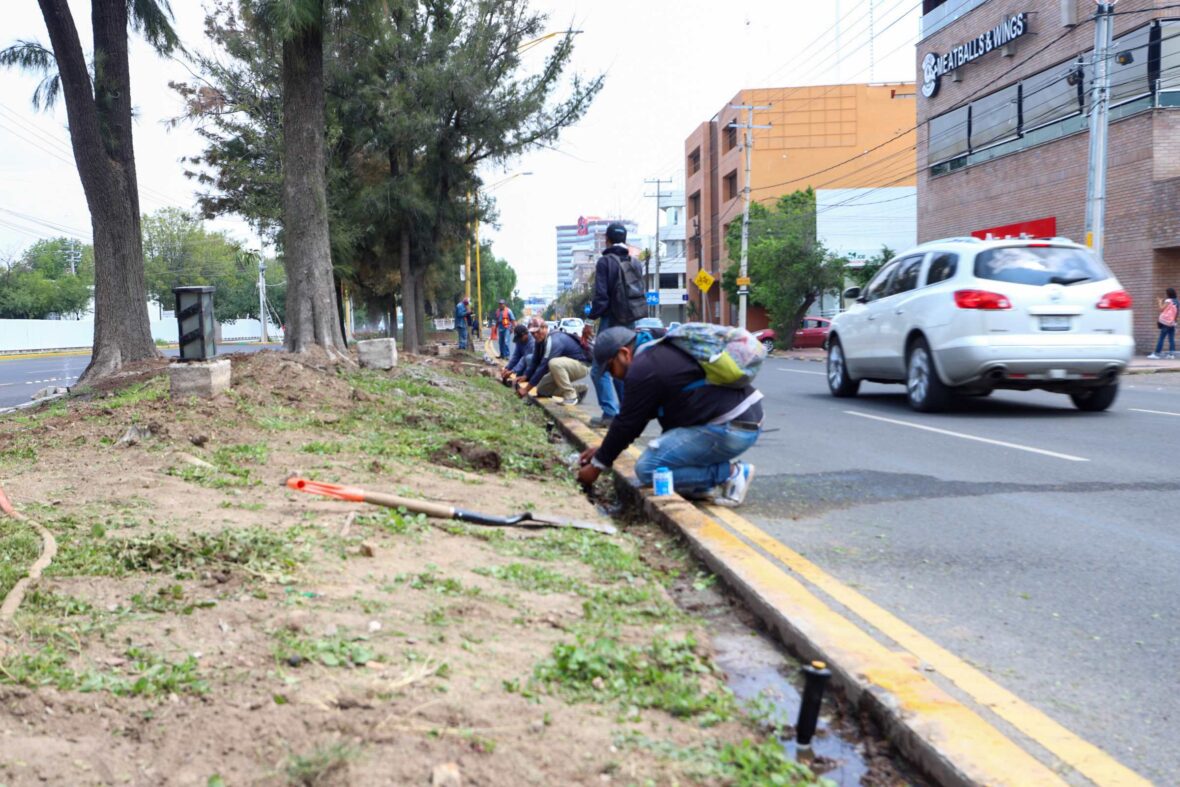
x,y
934,65
1034,228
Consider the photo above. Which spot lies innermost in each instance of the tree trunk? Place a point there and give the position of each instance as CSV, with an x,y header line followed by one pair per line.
x,y
787,332
420,306
312,317
99,115
411,340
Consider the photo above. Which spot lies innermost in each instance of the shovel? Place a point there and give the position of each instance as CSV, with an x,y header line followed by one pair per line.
x,y
439,511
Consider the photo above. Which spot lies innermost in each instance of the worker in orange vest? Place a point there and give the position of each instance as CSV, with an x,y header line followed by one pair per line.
x,y
505,321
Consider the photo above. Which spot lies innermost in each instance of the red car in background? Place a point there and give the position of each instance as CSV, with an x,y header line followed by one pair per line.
x,y
812,332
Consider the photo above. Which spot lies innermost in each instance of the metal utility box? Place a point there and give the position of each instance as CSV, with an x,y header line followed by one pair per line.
x,y
194,315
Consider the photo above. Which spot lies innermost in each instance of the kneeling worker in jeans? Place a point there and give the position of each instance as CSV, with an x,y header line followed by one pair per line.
x,y
706,427
561,365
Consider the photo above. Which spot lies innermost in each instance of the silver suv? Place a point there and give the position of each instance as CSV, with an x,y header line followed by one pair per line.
x,y
969,316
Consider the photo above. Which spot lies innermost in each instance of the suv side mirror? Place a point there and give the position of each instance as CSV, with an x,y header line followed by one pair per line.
x,y
852,294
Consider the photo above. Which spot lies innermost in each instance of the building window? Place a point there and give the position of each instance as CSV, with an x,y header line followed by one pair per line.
x,y
1169,67
995,118
1047,97
948,136
669,281
694,162
731,185
694,205
1128,81
730,137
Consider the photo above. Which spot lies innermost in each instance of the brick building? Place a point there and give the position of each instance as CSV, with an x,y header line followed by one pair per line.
x,y
1002,137
855,137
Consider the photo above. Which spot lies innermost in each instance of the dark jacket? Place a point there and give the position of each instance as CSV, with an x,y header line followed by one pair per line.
x,y
655,388
557,345
523,357
606,273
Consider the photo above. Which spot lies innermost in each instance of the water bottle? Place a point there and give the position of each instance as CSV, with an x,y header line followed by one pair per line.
x,y
661,482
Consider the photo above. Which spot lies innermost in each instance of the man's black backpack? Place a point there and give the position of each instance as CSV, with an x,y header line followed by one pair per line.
x,y
628,298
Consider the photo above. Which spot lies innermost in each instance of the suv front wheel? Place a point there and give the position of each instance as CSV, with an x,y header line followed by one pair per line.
x,y
926,392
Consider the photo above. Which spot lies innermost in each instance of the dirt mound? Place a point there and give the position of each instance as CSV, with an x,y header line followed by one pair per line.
x,y
465,455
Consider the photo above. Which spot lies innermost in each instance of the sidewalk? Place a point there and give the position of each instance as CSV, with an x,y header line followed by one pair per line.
x,y
1139,364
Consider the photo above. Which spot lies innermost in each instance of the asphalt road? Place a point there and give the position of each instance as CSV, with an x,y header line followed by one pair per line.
x,y
20,378
1036,542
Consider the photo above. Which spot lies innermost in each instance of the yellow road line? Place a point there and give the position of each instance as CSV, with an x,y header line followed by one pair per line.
x,y
1090,761
23,356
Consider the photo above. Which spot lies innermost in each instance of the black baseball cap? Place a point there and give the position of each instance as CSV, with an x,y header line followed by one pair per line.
x,y
609,342
520,332
616,232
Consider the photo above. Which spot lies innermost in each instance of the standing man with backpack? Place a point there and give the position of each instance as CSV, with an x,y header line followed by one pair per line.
x,y
697,383
619,300
505,320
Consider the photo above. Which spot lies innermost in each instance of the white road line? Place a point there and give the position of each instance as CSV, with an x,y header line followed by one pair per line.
x,y
798,371
989,441
1153,412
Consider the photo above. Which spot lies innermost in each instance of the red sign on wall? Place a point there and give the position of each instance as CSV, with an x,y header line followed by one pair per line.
x,y
583,226
1036,228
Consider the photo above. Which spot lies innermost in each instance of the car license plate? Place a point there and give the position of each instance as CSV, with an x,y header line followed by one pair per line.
x,y
1055,322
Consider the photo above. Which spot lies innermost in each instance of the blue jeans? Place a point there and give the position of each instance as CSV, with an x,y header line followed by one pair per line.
x,y
608,390
1170,332
698,456
462,336
503,341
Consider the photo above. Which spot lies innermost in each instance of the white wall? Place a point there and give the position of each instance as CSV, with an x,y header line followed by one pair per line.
x,y
16,335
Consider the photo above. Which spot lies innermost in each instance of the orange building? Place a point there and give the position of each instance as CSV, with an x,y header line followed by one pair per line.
x,y
826,137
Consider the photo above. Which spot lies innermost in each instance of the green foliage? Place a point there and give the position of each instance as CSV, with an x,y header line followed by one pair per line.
x,y
789,267
41,283
336,650
532,577
19,547
145,674
743,764
571,303
862,275
321,767
665,674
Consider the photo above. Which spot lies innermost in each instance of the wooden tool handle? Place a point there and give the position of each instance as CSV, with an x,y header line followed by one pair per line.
x,y
435,510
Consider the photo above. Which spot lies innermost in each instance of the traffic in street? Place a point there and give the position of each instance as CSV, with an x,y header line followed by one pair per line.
x,y
1035,542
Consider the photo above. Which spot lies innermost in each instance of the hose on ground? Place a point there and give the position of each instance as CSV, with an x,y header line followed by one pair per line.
x,y
16,595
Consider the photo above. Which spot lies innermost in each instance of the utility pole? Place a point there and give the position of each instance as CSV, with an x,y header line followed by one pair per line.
x,y
658,195
262,294
744,278
1099,123
74,256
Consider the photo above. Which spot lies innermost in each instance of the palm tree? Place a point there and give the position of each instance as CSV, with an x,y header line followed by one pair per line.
x,y
99,114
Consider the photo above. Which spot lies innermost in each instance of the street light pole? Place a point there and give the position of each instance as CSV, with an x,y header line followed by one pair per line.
x,y
1099,125
262,295
744,279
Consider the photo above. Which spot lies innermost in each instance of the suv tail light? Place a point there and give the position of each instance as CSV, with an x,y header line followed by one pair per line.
x,y
1119,299
981,299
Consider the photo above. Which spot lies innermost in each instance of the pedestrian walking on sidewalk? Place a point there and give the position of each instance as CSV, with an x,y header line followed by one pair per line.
x,y
1169,309
462,319
523,355
706,427
561,364
505,320
619,300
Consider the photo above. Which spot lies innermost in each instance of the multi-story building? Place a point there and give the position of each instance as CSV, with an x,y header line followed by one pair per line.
x,y
1003,141
835,137
672,284
589,233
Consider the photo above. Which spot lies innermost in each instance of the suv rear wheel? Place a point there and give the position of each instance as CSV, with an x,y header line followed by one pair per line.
x,y
926,392
1094,400
839,383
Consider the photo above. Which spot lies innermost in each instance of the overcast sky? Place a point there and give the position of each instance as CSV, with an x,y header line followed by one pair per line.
x,y
669,65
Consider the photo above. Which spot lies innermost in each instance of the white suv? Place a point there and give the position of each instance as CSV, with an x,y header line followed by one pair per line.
x,y
968,316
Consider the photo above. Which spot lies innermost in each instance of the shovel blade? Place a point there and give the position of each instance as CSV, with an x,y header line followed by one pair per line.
x,y
578,524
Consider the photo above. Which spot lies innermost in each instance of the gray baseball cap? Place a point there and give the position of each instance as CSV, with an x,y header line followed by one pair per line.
x,y
609,342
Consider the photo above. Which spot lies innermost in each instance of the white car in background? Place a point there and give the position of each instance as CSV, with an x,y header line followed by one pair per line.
x,y
969,316
573,326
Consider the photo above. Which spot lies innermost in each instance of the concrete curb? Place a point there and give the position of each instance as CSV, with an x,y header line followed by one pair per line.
x,y
946,740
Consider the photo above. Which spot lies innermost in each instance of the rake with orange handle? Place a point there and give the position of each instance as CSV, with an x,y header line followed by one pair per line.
x,y
439,511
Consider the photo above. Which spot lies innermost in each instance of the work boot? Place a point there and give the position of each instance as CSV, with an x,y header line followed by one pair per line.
x,y
601,421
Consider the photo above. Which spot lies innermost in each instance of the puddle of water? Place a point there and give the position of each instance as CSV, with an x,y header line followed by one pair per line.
x,y
755,668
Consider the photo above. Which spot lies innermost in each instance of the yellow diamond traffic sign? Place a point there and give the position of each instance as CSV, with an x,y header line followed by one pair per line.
x,y
703,280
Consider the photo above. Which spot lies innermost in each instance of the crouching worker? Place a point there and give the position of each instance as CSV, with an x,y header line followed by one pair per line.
x,y
562,366
706,427
524,349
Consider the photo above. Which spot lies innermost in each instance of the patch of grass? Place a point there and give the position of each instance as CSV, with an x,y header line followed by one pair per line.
x,y
145,674
233,467
169,599
259,552
320,448
432,581
527,576
399,522
744,764
19,453
321,767
629,605
153,390
19,548
337,650
611,559
665,674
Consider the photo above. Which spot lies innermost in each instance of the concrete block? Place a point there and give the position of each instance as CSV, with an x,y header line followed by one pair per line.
x,y
199,378
377,353
446,350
